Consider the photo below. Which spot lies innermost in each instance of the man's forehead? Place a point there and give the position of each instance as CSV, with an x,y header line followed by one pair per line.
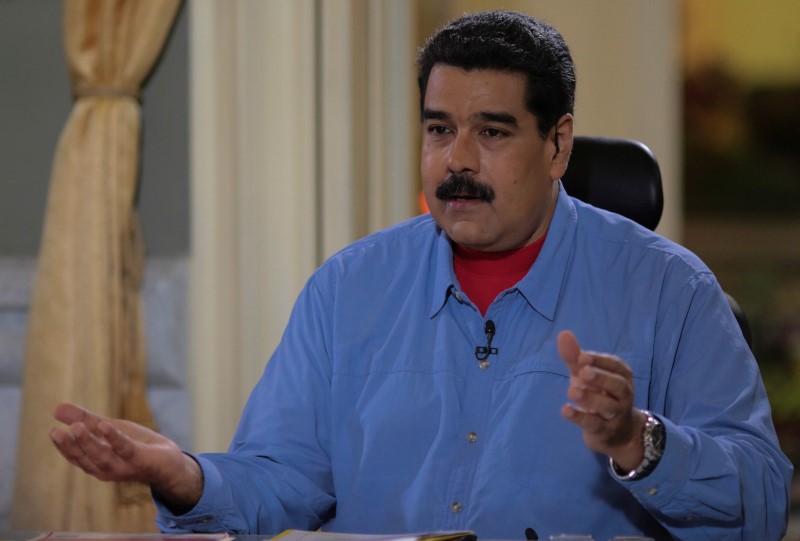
x,y
481,94
442,67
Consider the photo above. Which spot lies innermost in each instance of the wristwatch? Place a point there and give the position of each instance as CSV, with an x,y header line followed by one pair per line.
x,y
654,438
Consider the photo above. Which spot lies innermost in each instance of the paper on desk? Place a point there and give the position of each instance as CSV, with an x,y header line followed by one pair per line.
x,y
101,536
302,535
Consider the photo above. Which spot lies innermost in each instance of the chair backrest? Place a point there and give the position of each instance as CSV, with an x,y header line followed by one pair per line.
x,y
620,175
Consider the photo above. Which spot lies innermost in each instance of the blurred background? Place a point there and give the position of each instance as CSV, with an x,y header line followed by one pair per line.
x,y
277,131
741,176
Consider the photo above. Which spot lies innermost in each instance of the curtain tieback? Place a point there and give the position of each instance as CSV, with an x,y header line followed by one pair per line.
x,y
119,91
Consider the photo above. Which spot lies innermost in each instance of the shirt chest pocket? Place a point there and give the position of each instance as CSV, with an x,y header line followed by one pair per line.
x,y
549,366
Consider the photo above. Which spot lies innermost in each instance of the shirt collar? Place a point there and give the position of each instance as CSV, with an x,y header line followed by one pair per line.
x,y
444,276
541,287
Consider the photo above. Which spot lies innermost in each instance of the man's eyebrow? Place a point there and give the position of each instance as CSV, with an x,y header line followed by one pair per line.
x,y
486,116
432,114
502,118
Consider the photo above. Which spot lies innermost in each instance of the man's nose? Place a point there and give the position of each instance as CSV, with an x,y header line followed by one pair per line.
x,y
463,155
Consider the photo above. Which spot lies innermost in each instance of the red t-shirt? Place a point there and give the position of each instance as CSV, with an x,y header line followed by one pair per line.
x,y
484,275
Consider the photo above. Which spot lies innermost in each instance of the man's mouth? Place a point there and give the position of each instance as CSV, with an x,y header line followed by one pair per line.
x,y
466,196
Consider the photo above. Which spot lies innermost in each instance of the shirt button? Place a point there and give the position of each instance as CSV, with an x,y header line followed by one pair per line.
x,y
472,437
457,295
455,507
483,365
652,491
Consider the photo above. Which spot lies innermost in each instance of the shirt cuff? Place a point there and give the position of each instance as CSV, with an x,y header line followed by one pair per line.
x,y
199,518
658,488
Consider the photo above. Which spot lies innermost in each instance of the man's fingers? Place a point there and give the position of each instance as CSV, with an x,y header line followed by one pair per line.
x,y
65,444
586,420
116,449
590,422
87,441
609,363
601,392
105,457
70,414
598,381
121,444
70,450
591,401
569,349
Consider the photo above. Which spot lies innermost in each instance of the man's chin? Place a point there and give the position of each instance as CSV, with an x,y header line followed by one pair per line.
x,y
469,234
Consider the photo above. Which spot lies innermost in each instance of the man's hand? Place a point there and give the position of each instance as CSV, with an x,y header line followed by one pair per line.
x,y
601,395
119,450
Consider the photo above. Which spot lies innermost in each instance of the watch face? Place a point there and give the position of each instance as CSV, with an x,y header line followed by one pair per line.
x,y
654,434
658,437
653,441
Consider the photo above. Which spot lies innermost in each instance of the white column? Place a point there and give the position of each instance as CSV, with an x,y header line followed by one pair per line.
x,y
253,195
343,115
302,127
368,170
393,167
214,349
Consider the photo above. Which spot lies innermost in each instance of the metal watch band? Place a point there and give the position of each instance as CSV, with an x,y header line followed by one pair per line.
x,y
653,442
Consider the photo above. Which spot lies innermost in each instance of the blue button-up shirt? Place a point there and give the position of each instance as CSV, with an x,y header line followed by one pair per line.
x,y
374,414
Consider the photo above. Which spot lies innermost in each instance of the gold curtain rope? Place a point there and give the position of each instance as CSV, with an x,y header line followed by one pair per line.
x,y
106,91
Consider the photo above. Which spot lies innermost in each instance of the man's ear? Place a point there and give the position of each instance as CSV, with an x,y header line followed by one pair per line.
x,y
562,145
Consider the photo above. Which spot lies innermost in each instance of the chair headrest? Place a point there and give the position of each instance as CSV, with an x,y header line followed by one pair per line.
x,y
620,175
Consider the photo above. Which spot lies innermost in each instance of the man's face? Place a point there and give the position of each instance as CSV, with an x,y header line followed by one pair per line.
x,y
478,136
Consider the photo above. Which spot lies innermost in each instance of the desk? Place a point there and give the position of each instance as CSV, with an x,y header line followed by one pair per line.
x,y
96,536
102,536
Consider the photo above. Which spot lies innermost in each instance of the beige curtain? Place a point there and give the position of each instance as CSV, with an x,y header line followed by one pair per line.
x,y
85,342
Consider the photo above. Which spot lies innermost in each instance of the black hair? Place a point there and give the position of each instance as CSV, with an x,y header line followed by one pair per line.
x,y
507,41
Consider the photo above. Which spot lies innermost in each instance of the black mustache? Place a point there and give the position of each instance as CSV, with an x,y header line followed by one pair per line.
x,y
463,186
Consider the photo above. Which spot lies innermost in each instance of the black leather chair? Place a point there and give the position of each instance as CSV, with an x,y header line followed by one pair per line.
x,y
622,175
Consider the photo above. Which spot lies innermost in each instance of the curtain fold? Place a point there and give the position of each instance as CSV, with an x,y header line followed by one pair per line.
x,y
85,339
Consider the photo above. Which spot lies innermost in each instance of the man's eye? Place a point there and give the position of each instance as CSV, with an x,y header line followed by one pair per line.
x,y
438,130
494,133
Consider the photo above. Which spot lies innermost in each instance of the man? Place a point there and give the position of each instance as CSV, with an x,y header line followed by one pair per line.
x,y
422,378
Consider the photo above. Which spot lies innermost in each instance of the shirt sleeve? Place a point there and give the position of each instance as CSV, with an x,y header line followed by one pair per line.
x,y
276,474
722,471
